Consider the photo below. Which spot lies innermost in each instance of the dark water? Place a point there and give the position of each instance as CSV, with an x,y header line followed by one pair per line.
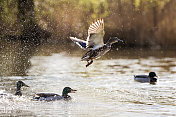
x,y
106,88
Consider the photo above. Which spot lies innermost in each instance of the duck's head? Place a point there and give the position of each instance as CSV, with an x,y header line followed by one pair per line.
x,y
114,40
67,90
152,74
21,84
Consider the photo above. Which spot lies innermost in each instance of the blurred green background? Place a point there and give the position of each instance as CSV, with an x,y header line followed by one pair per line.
x,y
28,27
141,23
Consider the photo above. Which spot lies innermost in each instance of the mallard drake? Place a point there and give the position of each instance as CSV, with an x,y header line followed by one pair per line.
x,y
53,96
146,78
18,90
19,85
94,42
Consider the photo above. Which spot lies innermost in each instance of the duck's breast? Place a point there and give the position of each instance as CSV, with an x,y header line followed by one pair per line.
x,y
101,51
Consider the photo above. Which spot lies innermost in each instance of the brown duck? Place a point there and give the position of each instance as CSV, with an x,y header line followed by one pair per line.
x,y
94,43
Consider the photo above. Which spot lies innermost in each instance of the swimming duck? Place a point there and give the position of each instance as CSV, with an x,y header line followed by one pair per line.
x,y
94,43
18,90
53,96
146,78
19,85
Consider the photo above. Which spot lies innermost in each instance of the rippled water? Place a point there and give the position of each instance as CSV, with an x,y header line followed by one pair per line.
x,y
106,88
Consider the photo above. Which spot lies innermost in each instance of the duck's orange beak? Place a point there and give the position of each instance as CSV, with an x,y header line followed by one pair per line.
x,y
73,90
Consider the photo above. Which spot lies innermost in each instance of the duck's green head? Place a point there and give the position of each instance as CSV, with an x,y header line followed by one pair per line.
x,y
20,84
152,74
67,90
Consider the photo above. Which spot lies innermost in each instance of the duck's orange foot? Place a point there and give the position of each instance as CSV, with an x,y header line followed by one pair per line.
x,y
89,63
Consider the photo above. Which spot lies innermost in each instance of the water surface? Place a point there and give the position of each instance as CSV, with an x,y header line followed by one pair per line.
x,y
105,88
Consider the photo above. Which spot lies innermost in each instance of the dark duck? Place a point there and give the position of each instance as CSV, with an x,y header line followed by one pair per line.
x,y
19,85
18,90
53,96
146,78
94,43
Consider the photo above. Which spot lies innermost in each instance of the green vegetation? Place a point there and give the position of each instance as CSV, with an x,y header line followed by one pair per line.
x,y
142,23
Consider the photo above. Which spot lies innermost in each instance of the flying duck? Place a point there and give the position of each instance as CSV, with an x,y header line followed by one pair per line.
x,y
94,43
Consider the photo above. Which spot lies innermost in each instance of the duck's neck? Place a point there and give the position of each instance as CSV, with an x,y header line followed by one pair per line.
x,y
108,45
152,79
18,91
110,42
150,76
64,94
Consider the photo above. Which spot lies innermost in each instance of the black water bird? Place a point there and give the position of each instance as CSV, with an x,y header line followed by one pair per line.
x,y
94,43
53,96
146,78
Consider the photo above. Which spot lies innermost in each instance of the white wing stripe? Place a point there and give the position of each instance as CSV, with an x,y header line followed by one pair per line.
x,y
96,26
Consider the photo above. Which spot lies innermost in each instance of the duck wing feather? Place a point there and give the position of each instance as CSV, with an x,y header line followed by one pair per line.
x,y
95,34
79,42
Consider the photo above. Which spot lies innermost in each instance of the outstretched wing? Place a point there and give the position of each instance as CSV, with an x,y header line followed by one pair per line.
x,y
79,42
95,34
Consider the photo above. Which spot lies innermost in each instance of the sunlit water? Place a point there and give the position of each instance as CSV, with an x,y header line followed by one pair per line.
x,y
105,88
